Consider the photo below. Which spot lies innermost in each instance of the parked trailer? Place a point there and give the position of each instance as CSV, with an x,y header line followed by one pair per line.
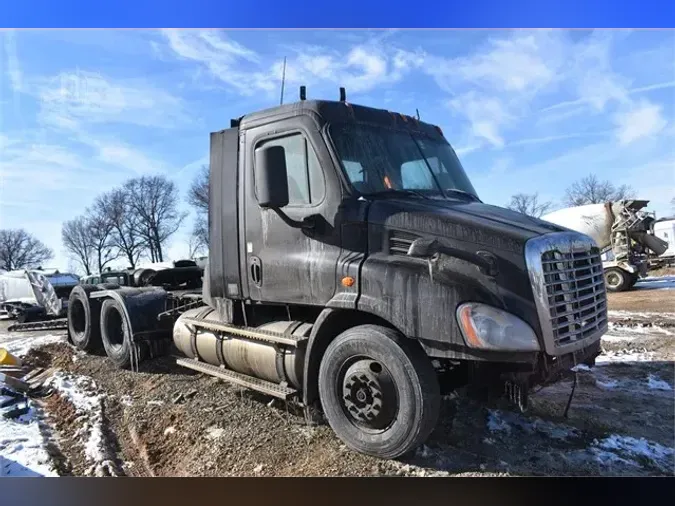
x,y
29,295
353,269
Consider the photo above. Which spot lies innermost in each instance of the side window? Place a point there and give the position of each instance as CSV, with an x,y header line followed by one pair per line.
x,y
305,177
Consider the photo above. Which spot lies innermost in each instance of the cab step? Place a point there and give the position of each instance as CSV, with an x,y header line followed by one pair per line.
x,y
265,387
248,332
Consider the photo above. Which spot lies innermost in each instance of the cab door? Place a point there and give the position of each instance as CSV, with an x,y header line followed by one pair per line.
x,y
284,263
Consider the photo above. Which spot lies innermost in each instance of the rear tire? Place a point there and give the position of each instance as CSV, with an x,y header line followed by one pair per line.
x,y
379,391
83,319
115,333
617,280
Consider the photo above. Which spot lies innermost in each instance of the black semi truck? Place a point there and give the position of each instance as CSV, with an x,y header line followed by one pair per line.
x,y
354,270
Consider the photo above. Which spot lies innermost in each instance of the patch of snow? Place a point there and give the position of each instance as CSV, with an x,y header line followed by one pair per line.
x,y
22,448
22,344
169,430
617,328
580,367
614,357
616,313
155,403
83,394
657,384
656,283
126,400
215,432
608,385
503,421
659,455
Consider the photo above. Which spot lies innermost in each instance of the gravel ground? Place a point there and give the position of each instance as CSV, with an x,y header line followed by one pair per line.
x,y
168,421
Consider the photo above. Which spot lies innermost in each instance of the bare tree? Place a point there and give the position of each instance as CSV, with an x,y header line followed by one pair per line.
x,y
199,238
529,204
100,233
590,190
154,202
115,208
198,198
198,194
76,238
20,250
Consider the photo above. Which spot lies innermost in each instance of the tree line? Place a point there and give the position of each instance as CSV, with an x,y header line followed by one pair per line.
x,y
588,190
130,222
136,219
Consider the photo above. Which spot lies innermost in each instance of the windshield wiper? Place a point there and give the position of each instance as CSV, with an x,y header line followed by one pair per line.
x,y
462,192
397,192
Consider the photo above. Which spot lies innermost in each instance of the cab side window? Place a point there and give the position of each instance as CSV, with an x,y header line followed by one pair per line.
x,y
306,184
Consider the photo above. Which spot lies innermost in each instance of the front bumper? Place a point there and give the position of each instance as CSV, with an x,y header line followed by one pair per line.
x,y
554,368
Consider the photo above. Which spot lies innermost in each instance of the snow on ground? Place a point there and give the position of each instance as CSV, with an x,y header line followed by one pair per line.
x,y
508,422
613,450
615,313
22,447
21,344
656,283
82,392
614,357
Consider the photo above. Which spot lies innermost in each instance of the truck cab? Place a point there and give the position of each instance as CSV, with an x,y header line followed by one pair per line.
x,y
347,216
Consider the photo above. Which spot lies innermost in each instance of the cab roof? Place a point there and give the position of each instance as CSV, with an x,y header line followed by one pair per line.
x,y
340,112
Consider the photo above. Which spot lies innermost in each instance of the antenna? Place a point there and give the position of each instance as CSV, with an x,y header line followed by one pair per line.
x,y
283,81
418,114
303,93
343,95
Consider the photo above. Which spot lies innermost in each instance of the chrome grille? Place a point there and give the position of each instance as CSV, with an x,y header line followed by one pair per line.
x,y
575,294
567,279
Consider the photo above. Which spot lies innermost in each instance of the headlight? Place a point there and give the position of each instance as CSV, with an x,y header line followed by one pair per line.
x,y
488,328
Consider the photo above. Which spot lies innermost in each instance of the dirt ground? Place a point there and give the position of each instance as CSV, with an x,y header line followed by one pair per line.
x,y
168,421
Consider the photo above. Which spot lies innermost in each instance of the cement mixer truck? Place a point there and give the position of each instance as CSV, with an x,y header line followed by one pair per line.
x,y
624,233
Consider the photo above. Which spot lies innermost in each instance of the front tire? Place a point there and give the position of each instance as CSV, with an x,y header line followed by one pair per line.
x,y
617,280
379,391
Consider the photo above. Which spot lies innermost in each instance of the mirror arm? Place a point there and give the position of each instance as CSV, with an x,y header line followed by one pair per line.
x,y
307,223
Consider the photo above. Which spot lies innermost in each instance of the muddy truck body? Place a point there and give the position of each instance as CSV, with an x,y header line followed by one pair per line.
x,y
353,270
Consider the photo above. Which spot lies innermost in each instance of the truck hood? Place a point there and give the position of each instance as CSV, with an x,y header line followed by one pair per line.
x,y
468,221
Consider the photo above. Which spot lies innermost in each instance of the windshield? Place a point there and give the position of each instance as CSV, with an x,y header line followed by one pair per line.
x,y
378,160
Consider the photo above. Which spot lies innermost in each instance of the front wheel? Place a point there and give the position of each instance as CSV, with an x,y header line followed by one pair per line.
x,y
617,280
379,391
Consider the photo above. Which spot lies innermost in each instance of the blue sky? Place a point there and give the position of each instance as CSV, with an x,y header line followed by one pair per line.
x,y
527,111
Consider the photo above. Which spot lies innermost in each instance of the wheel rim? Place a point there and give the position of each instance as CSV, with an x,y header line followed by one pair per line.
x,y
613,279
114,326
368,394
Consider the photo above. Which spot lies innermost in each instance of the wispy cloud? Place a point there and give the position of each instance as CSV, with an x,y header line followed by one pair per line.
x,y
363,67
13,67
639,121
78,98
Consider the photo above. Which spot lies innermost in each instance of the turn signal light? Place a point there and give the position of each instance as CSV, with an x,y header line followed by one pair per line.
x,y
347,281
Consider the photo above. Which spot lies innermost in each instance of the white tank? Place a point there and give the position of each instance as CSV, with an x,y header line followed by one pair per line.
x,y
594,220
665,230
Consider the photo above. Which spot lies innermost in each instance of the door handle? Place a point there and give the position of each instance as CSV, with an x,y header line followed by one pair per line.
x,y
255,268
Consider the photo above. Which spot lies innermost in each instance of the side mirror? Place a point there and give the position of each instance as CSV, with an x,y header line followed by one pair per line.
x,y
271,180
